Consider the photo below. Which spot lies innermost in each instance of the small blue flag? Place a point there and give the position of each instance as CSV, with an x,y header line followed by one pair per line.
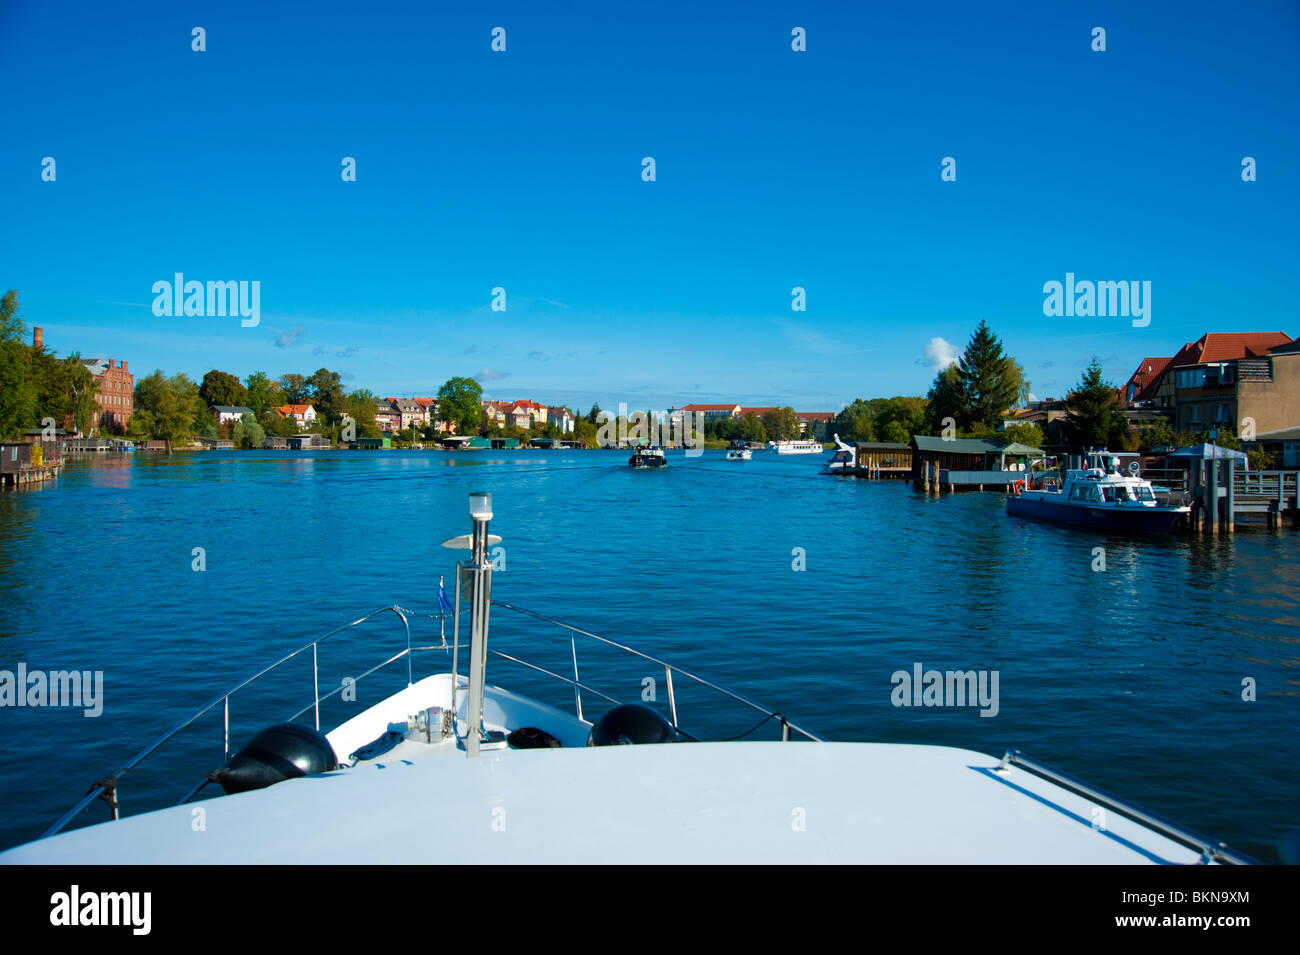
x,y
443,602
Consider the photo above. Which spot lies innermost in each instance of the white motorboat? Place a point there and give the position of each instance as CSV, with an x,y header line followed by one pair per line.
x,y
454,769
843,462
1099,496
740,454
795,447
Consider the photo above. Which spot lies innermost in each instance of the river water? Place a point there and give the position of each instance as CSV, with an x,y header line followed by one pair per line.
x,y
803,592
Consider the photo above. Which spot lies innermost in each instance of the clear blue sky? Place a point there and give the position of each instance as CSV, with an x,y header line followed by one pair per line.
x,y
523,170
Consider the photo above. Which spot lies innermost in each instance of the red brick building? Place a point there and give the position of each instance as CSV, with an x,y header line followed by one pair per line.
x,y
115,395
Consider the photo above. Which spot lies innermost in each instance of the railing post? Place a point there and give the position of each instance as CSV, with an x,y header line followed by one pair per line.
x,y
315,679
227,720
577,691
672,699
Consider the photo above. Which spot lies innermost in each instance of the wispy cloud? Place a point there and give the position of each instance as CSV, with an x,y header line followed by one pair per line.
x,y
939,354
491,374
289,338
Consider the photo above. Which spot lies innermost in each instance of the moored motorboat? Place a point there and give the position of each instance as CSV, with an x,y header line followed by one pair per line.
x,y
1099,496
842,462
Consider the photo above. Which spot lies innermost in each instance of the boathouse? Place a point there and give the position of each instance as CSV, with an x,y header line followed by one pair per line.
x,y
970,462
883,459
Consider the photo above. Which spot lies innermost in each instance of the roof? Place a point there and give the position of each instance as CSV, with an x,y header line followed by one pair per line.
x,y
666,804
1228,346
231,409
1147,377
1286,434
1015,447
286,410
425,402
815,415
731,407
1207,451
925,442
881,446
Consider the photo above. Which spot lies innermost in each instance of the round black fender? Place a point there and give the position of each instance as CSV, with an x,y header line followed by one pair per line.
x,y
277,753
632,723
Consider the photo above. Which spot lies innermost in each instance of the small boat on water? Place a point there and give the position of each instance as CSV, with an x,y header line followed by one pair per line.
x,y
1099,496
842,461
795,447
740,454
646,458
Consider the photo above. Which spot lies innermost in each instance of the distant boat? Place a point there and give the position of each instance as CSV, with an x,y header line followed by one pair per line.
x,y
795,447
739,454
646,458
1098,496
842,461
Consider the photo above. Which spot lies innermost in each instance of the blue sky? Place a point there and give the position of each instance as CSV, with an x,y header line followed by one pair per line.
x,y
522,170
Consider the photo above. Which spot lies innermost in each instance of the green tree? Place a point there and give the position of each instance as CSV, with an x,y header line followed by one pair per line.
x,y
17,389
462,401
325,393
222,388
1023,433
781,424
248,433
1093,417
855,423
945,400
261,393
991,381
293,388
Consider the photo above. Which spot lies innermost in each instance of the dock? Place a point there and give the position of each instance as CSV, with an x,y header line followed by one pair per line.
x,y
1219,491
23,464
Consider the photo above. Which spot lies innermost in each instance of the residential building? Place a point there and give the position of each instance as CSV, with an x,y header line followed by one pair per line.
x,y
1142,388
713,412
303,415
229,414
410,413
387,418
1221,380
563,418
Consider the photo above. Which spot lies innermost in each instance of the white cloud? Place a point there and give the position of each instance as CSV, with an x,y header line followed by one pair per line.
x,y
490,374
940,353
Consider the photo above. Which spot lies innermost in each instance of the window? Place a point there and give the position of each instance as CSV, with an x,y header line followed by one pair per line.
x,y
1194,414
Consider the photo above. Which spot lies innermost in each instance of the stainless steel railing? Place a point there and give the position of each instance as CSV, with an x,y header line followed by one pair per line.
x,y
1209,850
106,787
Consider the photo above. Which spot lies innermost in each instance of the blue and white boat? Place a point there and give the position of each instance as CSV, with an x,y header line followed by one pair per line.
x,y
1099,496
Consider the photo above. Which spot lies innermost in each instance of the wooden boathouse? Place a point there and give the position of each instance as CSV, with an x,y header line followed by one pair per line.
x,y
882,459
952,463
28,462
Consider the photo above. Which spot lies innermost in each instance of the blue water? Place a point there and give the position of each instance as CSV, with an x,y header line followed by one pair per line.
x,y
1130,678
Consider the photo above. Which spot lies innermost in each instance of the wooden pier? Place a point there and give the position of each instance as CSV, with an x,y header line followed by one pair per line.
x,y
23,464
1219,491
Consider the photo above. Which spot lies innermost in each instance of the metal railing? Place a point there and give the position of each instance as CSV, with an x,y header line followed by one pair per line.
x,y
1209,850
669,669
106,788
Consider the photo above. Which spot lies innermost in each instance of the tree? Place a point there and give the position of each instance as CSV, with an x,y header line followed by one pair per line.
x,y
855,423
324,389
1093,418
294,389
462,401
991,381
1024,433
781,424
17,390
261,393
248,433
222,388
945,401
594,413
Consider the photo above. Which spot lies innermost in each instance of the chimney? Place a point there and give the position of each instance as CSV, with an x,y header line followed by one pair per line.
x,y
124,364
38,338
